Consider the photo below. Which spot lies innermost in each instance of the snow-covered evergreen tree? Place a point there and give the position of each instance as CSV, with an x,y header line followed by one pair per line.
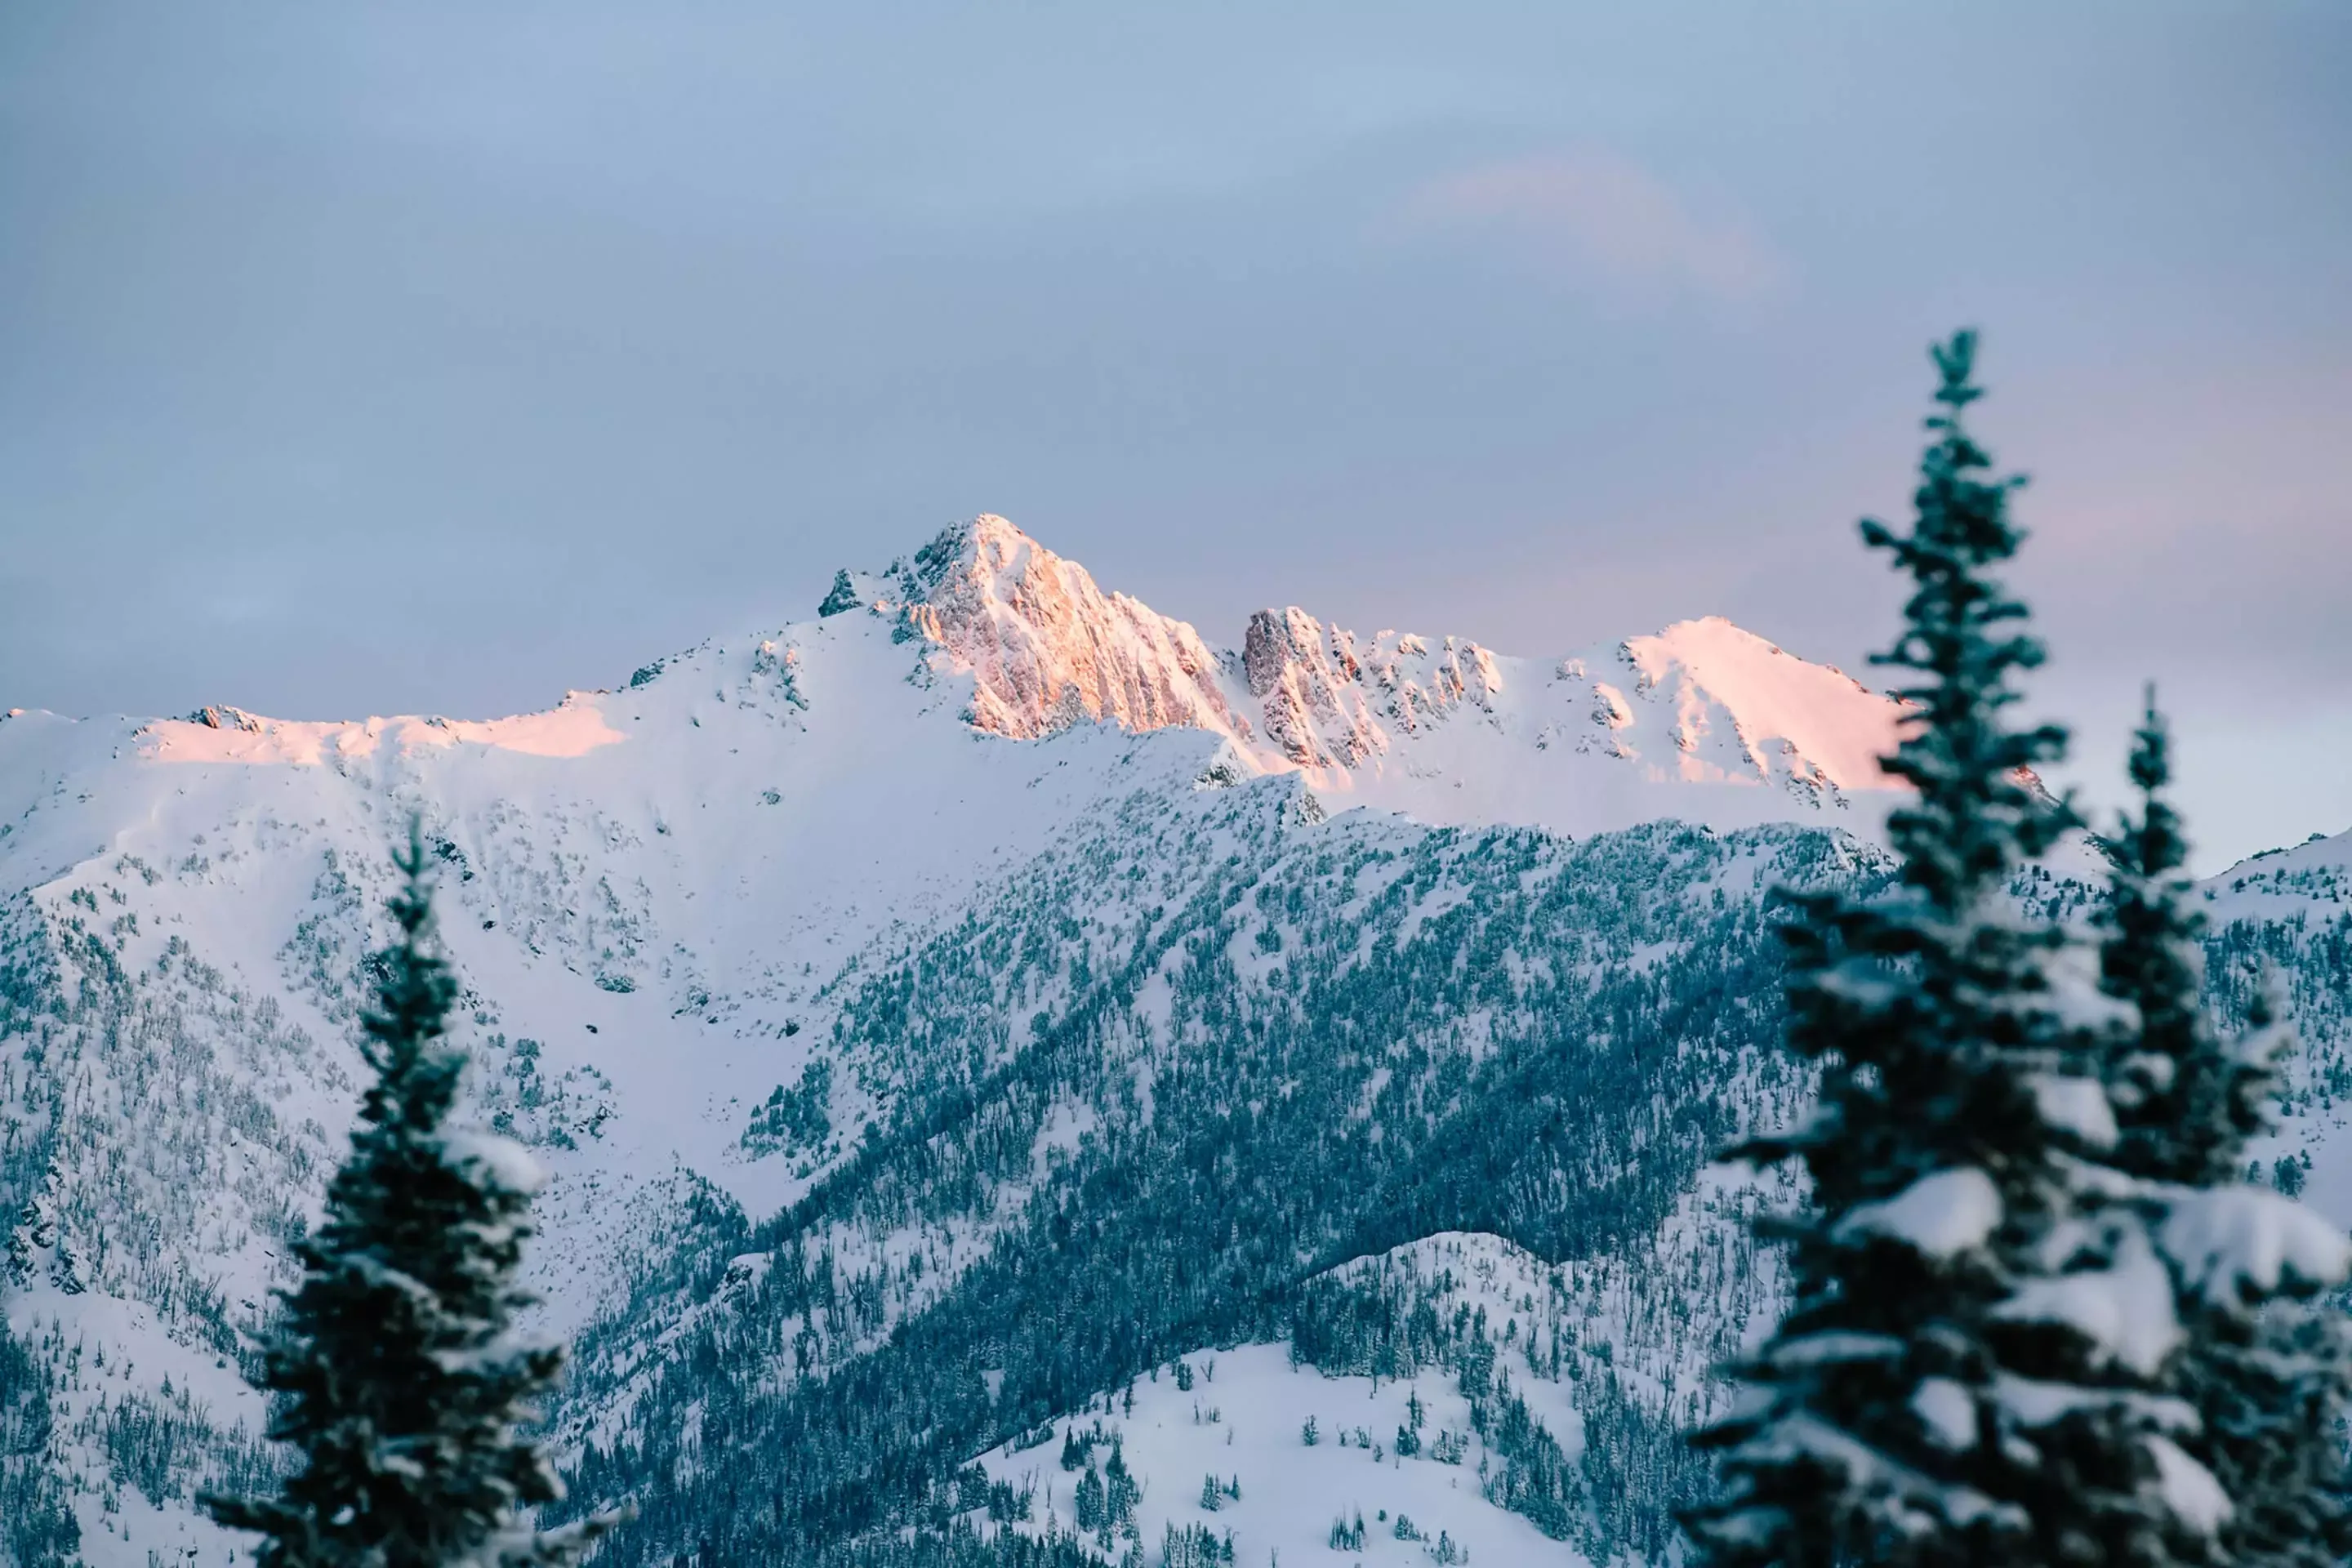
x,y
2267,1366
401,1380
2186,1104
1971,1370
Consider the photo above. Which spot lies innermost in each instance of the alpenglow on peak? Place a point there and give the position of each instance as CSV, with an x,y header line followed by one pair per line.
x,y
1700,701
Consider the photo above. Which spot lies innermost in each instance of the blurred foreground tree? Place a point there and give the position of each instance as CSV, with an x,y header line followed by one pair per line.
x,y
400,1378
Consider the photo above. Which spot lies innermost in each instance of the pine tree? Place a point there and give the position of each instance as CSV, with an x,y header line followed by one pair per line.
x,y
1968,1372
1087,1504
1120,1494
400,1380
2268,1368
2188,1105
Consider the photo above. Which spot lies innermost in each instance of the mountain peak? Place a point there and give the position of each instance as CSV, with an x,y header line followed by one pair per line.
x,y
1046,647
1324,699
988,538
1815,711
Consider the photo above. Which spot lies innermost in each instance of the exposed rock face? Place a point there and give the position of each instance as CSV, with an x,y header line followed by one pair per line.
x,y
1304,682
1048,648
1323,701
1422,687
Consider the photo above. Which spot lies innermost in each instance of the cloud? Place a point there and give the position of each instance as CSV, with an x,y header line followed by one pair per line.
x,y
1607,219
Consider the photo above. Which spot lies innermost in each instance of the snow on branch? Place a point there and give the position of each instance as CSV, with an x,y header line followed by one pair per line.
x,y
1938,1215
2124,1309
2241,1242
2078,1106
503,1163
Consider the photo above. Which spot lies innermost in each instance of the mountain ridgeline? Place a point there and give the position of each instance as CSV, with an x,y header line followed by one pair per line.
x,y
959,1027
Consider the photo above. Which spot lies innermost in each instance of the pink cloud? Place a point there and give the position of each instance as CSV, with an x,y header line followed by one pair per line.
x,y
1607,217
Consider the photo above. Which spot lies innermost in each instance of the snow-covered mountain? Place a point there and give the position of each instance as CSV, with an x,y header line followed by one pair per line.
x,y
1441,728
760,807
856,974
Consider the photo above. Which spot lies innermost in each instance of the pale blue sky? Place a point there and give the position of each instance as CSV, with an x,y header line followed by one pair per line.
x,y
440,357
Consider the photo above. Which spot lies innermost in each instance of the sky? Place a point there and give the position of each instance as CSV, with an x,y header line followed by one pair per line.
x,y
441,358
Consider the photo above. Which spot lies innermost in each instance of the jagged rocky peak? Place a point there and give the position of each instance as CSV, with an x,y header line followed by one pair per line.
x,y
1304,678
1046,647
221,716
1323,699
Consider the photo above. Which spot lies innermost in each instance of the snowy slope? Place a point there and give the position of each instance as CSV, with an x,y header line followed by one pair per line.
x,y
1409,1445
2313,878
1243,1419
2286,919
